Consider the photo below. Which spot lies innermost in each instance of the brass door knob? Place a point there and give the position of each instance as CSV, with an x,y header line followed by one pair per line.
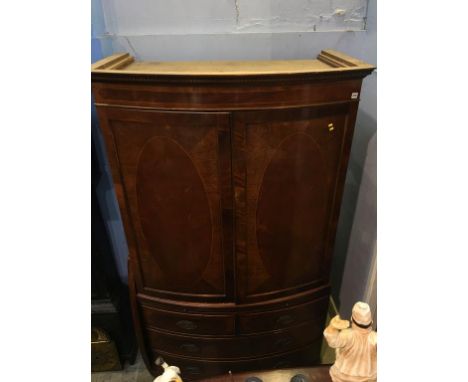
x,y
331,127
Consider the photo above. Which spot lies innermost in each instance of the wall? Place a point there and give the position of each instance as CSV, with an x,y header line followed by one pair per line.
x,y
161,17
105,191
362,248
257,29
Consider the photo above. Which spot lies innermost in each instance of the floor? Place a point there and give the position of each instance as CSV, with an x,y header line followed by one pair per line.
x,y
138,373
131,373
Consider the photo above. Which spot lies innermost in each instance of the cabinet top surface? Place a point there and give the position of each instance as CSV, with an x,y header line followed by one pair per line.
x,y
328,61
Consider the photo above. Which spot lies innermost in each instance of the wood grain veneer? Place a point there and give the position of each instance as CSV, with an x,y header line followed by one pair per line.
x,y
229,177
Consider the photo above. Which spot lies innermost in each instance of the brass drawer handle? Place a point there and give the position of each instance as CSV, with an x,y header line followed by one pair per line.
x,y
194,370
331,127
186,325
285,320
283,342
190,348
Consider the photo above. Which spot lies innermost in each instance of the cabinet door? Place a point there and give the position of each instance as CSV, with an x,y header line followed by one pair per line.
x,y
176,174
286,167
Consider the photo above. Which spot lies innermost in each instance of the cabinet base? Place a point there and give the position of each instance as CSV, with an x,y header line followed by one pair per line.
x,y
196,369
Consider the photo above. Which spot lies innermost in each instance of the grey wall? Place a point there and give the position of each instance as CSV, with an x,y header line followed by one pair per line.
x,y
357,281
254,29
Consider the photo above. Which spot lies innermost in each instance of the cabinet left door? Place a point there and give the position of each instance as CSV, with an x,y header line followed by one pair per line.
x,y
172,173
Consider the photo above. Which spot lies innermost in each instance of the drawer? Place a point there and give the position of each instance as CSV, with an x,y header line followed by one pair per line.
x,y
236,347
219,97
199,324
196,369
283,318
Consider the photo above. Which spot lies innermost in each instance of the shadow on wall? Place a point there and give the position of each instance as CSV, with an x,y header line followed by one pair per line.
x,y
108,205
366,128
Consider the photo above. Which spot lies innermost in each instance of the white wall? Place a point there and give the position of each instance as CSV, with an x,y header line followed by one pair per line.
x,y
157,17
231,29
257,29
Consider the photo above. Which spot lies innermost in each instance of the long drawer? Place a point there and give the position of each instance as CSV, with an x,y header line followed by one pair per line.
x,y
244,346
283,318
188,323
193,369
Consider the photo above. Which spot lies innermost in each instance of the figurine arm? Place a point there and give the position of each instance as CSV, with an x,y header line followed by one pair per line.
x,y
335,337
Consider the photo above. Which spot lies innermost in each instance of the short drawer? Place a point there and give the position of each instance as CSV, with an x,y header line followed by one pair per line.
x,y
245,346
283,318
197,324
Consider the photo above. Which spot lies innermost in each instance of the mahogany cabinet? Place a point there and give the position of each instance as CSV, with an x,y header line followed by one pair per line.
x,y
229,177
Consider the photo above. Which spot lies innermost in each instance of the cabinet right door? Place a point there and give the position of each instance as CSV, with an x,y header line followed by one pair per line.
x,y
287,168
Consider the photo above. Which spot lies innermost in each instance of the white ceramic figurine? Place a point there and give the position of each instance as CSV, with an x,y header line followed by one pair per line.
x,y
356,347
171,373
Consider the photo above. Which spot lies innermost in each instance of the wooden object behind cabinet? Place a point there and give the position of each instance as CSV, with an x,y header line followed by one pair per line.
x,y
229,177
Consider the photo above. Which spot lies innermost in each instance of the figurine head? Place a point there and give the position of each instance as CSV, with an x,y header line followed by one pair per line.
x,y
362,316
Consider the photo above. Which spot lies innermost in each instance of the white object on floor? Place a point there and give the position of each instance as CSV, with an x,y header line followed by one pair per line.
x,y
171,373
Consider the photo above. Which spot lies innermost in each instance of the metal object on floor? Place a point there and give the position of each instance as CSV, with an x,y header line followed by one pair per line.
x,y
253,379
104,354
299,378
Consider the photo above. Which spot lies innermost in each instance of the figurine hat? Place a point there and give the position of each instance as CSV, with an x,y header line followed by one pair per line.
x,y
362,314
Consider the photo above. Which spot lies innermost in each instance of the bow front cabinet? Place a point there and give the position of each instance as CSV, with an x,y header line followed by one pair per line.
x,y
229,177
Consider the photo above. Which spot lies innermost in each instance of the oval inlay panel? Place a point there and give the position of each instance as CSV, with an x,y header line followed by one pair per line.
x,y
291,212
174,211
